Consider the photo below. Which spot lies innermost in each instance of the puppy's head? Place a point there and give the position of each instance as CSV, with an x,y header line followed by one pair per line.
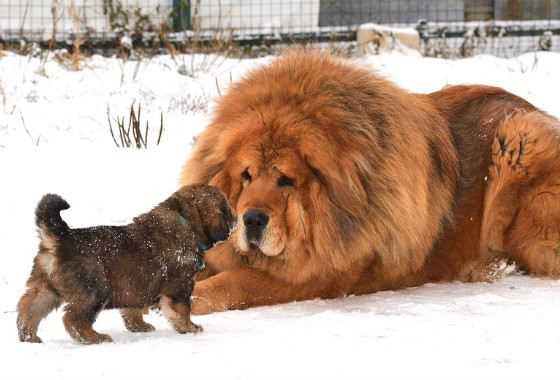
x,y
208,212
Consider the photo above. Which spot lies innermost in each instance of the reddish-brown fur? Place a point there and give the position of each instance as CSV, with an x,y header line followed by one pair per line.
x,y
364,186
522,216
153,260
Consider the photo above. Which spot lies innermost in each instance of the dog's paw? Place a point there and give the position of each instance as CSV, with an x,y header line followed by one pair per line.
x,y
105,338
134,320
140,327
97,339
202,303
191,328
195,329
31,339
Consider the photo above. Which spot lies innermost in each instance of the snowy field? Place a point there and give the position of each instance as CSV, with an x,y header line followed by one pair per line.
x,y
54,137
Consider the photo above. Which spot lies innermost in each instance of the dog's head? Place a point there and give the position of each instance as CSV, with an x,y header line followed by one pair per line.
x,y
282,150
208,212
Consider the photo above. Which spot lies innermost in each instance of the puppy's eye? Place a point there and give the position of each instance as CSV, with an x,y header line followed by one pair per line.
x,y
245,176
285,181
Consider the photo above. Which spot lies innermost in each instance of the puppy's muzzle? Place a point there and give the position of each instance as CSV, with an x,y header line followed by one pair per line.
x,y
203,247
200,264
255,221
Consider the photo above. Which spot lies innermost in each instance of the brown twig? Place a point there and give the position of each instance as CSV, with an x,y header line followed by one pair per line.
x,y
111,128
160,128
33,140
139,138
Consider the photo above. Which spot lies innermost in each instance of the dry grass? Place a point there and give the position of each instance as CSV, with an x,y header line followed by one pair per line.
x,y
140,134
34,140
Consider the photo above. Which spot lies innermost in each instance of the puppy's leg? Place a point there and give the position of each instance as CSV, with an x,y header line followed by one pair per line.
x,y
179,314
37,302
80,315
134,320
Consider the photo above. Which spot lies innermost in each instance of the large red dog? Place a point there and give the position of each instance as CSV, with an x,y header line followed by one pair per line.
x,y
344,183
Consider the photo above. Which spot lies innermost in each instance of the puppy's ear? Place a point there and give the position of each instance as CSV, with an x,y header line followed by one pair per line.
x,y
191,215
173,204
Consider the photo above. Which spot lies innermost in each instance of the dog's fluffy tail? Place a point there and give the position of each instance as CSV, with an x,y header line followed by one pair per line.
x,y
47,214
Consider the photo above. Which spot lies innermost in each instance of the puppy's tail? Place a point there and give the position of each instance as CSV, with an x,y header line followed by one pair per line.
x,y
47,215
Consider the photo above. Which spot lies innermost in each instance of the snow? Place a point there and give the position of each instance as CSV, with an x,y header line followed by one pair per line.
x,y
502,330
388,29
505,329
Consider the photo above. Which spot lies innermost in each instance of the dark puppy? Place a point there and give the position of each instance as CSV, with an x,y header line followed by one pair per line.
x,y
152,261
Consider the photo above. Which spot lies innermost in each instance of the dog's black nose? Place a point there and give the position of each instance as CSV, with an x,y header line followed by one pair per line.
x,y
255,218
255,221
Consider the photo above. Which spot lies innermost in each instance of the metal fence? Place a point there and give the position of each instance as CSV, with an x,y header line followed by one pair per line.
x,y
444,27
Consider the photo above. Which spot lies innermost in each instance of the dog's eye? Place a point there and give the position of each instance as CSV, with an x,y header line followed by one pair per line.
x,y
245,176
285,181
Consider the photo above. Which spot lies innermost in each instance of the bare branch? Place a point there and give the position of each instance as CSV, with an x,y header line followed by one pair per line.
x,y
111,127
140,138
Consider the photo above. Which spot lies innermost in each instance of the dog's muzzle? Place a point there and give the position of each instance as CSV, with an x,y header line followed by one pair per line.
x,y
255,221
200,264
203,247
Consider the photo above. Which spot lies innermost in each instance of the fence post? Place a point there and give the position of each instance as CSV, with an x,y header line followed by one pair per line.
x,y
181,15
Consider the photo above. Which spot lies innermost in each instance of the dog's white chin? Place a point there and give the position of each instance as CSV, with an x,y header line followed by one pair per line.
x,y
269,249
265,245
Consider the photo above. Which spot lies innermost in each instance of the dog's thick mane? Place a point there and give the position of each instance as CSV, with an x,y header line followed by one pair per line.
x,y
368,193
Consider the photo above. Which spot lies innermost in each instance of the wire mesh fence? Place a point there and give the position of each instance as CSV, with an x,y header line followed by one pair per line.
x,y
439,27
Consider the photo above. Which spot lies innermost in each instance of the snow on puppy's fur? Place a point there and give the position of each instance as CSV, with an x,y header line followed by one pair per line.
x,y
154,259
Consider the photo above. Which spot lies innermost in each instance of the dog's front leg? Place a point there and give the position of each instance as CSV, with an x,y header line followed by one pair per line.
x,y
134,320
179,315
242,288
222,257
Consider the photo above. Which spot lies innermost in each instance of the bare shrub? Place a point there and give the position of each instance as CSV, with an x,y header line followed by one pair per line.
x,y
139,138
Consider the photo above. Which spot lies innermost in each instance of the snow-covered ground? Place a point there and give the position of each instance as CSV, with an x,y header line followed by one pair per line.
x,y
54,137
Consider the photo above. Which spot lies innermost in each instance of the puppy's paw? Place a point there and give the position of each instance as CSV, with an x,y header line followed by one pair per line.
x,y
31,339
134,320
195,329
97,339
184,328
105,338
140,327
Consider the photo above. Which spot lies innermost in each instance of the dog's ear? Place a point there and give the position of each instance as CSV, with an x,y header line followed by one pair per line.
x,y
173,204
188,213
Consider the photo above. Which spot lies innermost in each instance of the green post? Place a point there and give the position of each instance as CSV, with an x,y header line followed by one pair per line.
x,y
181,15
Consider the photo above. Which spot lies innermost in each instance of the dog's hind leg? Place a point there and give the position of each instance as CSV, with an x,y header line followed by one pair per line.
x,y
534,241
134,320
80,314
522,204
37,302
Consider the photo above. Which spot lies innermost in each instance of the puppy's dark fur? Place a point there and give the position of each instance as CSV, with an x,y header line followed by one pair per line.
x,y
153,260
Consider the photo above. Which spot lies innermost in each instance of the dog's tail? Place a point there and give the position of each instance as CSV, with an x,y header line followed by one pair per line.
x,y
47,215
